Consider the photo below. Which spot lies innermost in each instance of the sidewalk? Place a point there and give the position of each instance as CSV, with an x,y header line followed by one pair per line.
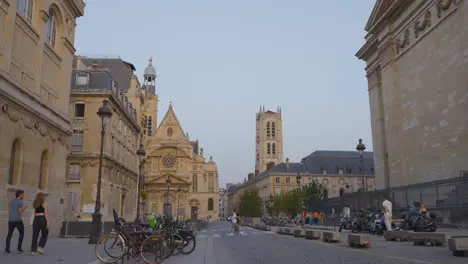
x,y
57,250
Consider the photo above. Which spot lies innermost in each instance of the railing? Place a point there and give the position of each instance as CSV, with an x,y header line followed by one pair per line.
x,y
448,199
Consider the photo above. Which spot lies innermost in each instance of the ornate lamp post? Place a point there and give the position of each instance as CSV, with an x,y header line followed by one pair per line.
x,y
179,190
360,148
298,181
141,154
166,204
105,114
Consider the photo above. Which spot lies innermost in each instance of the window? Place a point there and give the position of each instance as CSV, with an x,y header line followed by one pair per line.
x,y
44,170
77,140
195,182
79,110
15,162
268,149
277,180
210,204
51,28
169,132
268,129
74,172
278,191
273,148
288,180
25,9
82,79
273,130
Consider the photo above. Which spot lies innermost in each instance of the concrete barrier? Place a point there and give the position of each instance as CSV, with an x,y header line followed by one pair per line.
x,y
299,233
359,241
280,231
398,236
427,238
288,231
459,246
330,236
313,234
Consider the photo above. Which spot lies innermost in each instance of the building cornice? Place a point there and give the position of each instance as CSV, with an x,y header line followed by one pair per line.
x,y
92,160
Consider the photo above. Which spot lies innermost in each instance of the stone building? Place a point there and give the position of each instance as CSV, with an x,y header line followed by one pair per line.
x,y
415,54
268,139
221,206
179,181
339,172
36,52
89,87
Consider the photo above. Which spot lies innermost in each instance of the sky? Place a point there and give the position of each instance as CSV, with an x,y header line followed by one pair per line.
x,y
218,61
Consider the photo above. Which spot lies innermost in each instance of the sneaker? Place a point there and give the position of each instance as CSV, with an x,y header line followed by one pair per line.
x,y
20,251
40,250
7,251
33,253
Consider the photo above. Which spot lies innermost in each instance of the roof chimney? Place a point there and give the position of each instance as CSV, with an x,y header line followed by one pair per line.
x,y
287,163
94,65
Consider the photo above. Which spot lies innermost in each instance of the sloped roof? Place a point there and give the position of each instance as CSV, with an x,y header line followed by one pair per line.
x,y
120,70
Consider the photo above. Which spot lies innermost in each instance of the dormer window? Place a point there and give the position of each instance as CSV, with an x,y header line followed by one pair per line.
x,y
82,79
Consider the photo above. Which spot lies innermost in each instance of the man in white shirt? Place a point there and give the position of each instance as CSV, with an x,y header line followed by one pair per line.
x,y
346,213
387,208
234,221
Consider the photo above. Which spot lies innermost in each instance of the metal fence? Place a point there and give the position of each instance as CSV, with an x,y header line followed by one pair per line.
x,y
447,199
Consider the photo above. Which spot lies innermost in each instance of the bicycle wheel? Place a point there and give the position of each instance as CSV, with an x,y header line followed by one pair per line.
x,y
114,248
177,244
154,249
190,244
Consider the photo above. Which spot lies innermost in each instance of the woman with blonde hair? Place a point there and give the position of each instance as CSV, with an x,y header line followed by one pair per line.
x,y
40,224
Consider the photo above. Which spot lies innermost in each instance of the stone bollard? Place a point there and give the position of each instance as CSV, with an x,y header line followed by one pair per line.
x,y
459,246
313,234
330,237
398,236
299,233
359,241
427,238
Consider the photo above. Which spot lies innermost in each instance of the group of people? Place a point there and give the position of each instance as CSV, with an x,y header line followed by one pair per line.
x,y
386,209
39,221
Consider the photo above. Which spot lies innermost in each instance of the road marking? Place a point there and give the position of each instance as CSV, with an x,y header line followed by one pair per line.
x,y
216,235
230,234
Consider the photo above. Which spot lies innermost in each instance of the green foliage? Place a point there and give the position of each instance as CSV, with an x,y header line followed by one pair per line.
x,y
295,201
251,204
143,195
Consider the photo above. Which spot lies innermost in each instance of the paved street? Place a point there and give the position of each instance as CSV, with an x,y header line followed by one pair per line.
x,y
217,245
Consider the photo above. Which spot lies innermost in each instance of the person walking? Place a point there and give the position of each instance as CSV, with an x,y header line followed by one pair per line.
x,y
387,208
40,224
15,220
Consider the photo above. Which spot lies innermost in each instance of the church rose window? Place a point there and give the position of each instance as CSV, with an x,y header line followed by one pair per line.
x,y
168,161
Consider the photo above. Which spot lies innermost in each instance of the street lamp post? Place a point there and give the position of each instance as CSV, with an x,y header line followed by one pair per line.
x,y
141,154
298,181
105,114
179,190
166,205
360,148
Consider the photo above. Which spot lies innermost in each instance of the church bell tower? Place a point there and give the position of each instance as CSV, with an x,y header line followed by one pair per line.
x,y
268,140
150,114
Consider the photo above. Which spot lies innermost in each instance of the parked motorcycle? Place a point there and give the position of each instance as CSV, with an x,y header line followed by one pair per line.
x,y
420,222
345,223
364,222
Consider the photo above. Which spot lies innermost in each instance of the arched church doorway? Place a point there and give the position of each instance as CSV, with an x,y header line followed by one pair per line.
x,y
194,209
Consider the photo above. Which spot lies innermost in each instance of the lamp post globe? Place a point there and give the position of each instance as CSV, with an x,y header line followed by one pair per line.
x,y
360,148
105,113
141,154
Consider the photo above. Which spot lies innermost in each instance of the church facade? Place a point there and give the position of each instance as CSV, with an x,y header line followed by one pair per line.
x,y
178,180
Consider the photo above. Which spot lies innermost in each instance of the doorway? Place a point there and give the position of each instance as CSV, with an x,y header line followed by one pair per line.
x,y
194,212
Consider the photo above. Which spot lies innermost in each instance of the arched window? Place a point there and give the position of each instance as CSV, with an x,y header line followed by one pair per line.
x,y
273,148
44,170
210,204
273,129
342,191
195,182
170,132
16,156
268,149
51,27
25,9
268,129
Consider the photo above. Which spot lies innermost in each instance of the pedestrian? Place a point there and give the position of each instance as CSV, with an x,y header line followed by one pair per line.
x,y
40,224
15,220
387,207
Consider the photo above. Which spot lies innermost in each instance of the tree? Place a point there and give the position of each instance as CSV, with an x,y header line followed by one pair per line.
x,y
251,204
296,201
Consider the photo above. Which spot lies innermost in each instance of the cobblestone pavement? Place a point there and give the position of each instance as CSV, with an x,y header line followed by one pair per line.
x,y
217,245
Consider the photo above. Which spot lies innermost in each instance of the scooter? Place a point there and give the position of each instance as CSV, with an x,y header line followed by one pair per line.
x,y
345,223
420,223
